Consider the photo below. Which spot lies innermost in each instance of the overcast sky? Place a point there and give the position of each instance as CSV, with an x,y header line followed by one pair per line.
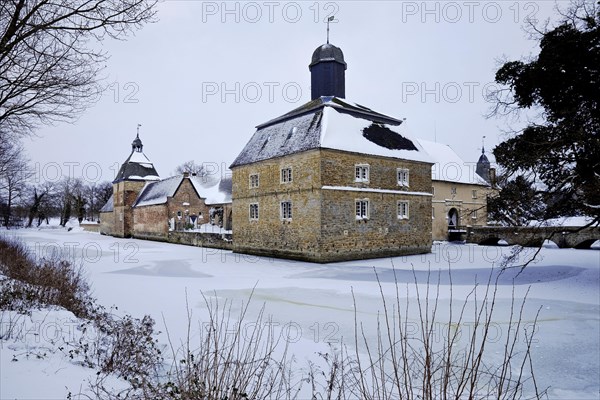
x,y
201,78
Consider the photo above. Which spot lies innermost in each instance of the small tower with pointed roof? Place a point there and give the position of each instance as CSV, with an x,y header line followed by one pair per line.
x,y
133,175
483,166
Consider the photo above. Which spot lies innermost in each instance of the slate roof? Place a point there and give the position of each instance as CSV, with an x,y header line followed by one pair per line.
x,y
137,167
158,192
109,206
212,189
327,52
448,166
332,123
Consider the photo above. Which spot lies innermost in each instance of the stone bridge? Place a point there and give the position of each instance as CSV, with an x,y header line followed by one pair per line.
x,y
563,236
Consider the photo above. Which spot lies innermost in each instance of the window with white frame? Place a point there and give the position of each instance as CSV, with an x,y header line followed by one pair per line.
x,y
286,175
361,173
402,175
254,211
432,212
254,181
286,210
362,209
474,214
474,193
403,212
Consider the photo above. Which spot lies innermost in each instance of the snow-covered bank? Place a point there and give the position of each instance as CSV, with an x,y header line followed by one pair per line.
x,y
312,303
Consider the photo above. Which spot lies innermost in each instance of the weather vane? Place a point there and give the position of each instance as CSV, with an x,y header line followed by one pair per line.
x,y
138,129
328,21
483,144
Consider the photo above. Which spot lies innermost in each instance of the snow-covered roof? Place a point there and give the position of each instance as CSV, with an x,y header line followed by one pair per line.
x,y
332,123
158,192
110,204
448,166
137,167
213,189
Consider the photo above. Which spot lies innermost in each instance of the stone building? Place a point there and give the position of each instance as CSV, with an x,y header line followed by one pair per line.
x,y
182,202
332,180
146,207
459,193
116,217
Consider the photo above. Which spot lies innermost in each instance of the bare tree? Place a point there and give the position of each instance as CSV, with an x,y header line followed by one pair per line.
x,y
14,173
49,65
35,205
190,167
96,196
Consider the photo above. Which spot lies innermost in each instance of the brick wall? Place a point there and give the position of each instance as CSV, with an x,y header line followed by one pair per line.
x,y
151,220
195,205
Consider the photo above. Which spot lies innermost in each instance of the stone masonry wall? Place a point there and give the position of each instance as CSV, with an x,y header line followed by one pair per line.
x,y
125,194
107,223
323,226
448,195
382,234
270,235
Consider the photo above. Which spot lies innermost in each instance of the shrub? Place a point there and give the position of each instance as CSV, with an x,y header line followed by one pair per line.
x,y
47,282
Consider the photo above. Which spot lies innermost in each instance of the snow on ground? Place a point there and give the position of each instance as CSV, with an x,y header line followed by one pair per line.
x,y
313,304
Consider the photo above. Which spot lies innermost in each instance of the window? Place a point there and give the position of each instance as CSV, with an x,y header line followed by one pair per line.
x,y
361,173
254,181
474,214
402,175
286,175
403,210
474,193
433,191
432,212
254,211
362,209
286,210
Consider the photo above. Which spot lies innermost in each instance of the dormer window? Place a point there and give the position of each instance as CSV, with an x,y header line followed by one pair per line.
x,y
361,173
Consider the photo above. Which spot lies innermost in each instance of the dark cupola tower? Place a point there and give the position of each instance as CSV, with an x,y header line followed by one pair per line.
x,y
137,145
327,70
483,167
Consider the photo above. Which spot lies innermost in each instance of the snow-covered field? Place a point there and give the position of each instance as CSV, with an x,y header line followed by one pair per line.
x,y
311,303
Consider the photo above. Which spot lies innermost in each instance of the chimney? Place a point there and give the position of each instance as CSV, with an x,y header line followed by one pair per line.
x,y
186,174
493,177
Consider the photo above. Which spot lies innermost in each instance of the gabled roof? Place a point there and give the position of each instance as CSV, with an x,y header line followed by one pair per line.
x,y
331,123
212,189
449,167
109,206
158,192
137,167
